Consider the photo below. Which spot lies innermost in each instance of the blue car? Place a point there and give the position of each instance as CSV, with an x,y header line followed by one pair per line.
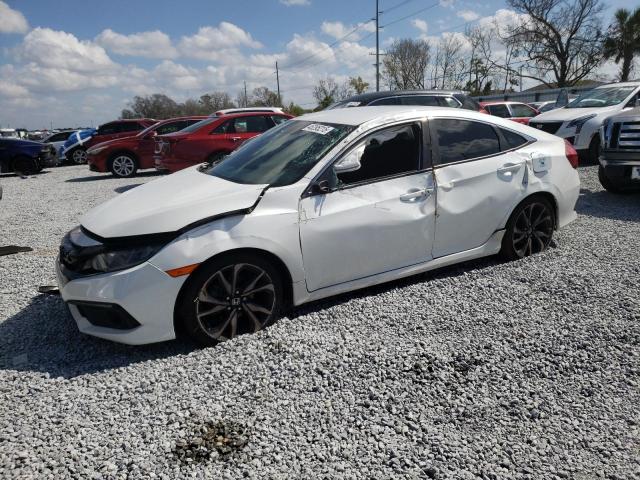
x,y
25,156
73,150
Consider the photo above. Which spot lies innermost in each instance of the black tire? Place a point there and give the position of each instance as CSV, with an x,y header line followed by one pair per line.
x,y
607,184
529,229
209,312
123,165
26,165
77,156
594,150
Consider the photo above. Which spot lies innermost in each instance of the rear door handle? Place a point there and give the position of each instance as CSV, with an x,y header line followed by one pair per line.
x,y
415,194
510,167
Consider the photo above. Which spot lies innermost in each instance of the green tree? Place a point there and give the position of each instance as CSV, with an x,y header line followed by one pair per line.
x,y
622,41
263,97
359,85
157,106
294,109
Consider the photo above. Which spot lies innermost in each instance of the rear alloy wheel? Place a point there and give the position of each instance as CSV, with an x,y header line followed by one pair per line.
x,y
123,166
79,156
529,230
231,296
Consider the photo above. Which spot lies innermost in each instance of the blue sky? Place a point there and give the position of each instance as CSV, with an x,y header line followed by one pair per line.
x,y
69,62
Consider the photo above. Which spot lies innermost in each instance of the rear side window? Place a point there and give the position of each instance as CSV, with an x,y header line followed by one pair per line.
x,y
512,139
468,103
386,101
423,100
522,111
499,110
108,129
449,102
460,140
388,152
254,124
131,127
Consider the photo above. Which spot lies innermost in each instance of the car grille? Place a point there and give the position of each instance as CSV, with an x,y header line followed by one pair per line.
x,y
549,127
626,135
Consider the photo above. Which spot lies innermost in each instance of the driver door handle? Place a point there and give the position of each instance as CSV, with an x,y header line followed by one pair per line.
x,y
415,194
510,167
236,139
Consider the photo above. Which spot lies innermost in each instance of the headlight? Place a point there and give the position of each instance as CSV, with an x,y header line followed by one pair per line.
x,y
579,122
84,254
121,259
95,151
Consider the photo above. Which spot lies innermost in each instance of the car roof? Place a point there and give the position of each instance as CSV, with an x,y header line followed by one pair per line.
x,y
370,96
359,115
635,83
228,111
505,102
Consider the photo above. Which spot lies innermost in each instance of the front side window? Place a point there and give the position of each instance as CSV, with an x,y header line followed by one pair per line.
x,y
254,124
198,125
108,129
278,119
281,156
522,111
388,152
499,110
386,101
460,140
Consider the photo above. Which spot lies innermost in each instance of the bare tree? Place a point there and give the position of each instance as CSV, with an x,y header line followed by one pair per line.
x,y
559,40
359,85
405,63
328,91
215,101
263,97
449,63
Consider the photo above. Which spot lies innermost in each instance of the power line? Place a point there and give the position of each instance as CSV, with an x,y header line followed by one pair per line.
x,y
396,6
411,15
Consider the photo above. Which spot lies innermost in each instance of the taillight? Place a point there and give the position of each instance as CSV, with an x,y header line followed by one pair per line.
x,y
571,154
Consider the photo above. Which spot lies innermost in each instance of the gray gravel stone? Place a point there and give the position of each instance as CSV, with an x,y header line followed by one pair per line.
x,y
526,370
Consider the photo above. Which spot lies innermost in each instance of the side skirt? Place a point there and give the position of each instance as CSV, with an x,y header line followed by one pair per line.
x,y
491,247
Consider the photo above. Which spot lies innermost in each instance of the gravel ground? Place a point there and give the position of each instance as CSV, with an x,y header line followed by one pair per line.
x,y
526,370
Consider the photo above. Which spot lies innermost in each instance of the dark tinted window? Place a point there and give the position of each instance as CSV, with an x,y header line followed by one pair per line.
x,y
512,139
277,119
463,140
131,127
198,125
498,110
449,102
423,100
171,127
386,101
60,137
467,102
108,129
224,127
388,152
254,124
522,111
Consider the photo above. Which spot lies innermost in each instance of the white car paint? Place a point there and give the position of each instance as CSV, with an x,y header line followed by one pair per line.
x,y
329,243
582,139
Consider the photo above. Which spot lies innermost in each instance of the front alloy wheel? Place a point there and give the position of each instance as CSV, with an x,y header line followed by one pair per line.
x,y
230,297
123,166
529,229
79,156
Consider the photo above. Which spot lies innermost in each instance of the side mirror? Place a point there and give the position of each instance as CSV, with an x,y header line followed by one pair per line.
x,y
351,162
321,187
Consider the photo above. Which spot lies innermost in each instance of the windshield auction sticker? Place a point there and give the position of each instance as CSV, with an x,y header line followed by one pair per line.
x,y
317,128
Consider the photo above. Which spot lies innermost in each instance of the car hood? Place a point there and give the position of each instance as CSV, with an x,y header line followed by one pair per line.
x,y
169,204
565,114
632,114
22,143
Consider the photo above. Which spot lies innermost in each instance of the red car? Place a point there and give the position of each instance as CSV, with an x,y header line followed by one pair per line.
x,y
124,156
108,131
211,139
516,111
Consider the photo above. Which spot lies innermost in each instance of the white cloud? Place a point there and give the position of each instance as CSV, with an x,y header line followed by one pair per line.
x,y
420,25
468,15
447,3
210,43
339,30
10,89
154,44
61,50
12,21
295,3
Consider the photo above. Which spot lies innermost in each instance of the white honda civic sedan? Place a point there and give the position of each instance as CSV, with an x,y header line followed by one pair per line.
x,y
322,204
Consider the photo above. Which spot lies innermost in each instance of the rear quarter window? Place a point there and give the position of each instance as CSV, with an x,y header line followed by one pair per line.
x,y
461,140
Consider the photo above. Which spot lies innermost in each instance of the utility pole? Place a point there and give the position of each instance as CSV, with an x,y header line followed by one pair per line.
x,y
377,46
246,99
278,82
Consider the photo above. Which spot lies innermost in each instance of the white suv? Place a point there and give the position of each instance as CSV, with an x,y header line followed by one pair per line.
x,y
580,121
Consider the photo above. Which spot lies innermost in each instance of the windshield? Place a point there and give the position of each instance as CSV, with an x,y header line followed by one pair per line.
x,y
282,155
601,97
